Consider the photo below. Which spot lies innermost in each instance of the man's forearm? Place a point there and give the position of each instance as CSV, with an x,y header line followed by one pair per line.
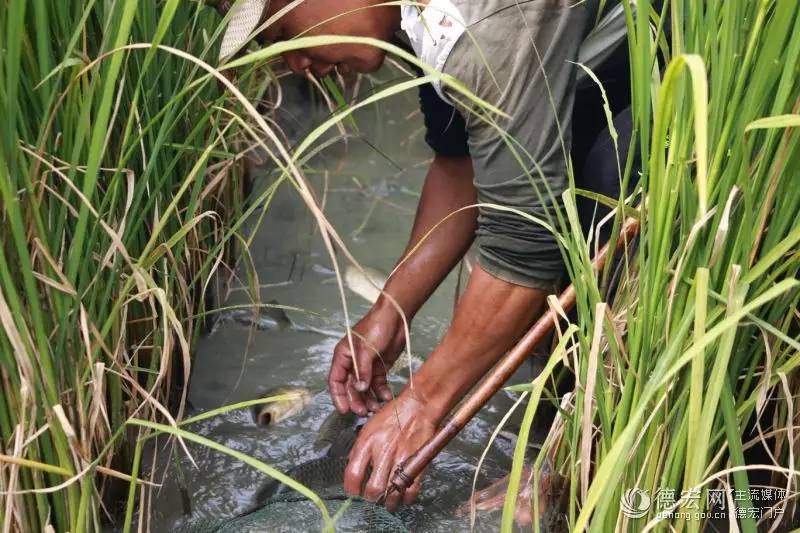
x,y
448,188
491,316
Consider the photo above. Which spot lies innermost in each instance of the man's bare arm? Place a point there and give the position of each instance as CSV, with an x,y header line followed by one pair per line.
x,y
491,316
448,188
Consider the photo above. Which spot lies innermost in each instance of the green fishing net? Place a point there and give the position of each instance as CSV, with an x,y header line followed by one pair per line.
x,y
278,509
291,512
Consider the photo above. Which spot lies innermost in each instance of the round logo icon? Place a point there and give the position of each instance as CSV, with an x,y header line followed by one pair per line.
x,y
635,503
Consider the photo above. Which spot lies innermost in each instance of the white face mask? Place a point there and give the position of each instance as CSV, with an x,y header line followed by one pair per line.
x,y
433,32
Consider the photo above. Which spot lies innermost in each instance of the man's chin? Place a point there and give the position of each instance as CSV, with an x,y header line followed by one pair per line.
x,y
368,65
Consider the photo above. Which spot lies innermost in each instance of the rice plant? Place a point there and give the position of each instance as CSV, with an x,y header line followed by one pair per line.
x,y
120,193
120,156
686,374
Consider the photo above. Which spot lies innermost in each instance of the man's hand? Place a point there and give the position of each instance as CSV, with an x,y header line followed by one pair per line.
x,y
378,340
489,318
448,188
392,435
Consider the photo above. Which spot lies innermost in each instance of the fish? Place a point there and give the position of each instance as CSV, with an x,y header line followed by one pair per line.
x,y
367,284
271,413
266,318
317,474
337,434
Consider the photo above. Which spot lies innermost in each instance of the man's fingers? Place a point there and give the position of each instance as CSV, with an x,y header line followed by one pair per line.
x,y
364,361
338,377
491,504
355,399
412,492
394,498
339,397
392,502
356,470
380,388
372,403
379,478
341,365
338,389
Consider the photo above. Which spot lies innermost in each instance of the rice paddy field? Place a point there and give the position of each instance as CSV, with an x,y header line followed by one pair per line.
x,y
239,361
132,216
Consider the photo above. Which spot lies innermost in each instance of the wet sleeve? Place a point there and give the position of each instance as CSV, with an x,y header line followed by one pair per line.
x,y
519,60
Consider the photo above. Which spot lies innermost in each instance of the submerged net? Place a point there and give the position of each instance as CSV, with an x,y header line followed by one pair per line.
x,y
291,512
278,509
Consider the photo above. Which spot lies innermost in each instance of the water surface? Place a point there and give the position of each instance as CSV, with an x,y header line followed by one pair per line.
x,y
370,198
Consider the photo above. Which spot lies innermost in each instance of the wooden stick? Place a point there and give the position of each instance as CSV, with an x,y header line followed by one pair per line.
x,y
408,470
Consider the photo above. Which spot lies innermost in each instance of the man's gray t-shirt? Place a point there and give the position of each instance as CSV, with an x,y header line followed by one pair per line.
x,y
520,56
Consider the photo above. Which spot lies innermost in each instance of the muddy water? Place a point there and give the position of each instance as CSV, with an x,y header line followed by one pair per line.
x,y
370,200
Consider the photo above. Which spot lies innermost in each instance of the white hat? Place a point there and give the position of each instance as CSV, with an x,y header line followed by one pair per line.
x,y
246,17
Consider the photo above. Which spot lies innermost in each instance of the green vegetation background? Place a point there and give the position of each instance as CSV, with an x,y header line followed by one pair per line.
x,y
122,195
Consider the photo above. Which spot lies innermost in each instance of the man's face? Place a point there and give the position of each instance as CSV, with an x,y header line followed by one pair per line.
x,y
332,17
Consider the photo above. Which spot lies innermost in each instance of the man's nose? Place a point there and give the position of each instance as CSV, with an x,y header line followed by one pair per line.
x,y
298,63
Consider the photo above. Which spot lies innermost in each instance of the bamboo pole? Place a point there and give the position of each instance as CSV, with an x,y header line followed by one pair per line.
x,y
408,470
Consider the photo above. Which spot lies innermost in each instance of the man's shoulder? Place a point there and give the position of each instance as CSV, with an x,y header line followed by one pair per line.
x,y
496,48
474,12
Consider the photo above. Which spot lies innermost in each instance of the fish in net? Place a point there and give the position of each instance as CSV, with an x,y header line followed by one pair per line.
x,y
277,508
324,476
290,512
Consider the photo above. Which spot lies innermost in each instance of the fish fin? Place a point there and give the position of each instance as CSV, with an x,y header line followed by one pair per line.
x,y
342,444
266,492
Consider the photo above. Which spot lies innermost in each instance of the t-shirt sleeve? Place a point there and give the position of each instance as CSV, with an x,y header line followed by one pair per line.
x,y
445,131
520,60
